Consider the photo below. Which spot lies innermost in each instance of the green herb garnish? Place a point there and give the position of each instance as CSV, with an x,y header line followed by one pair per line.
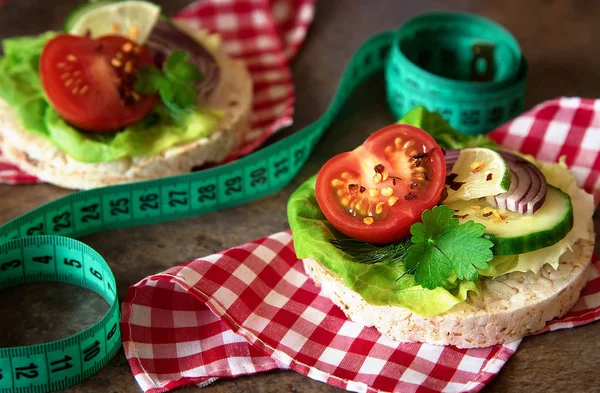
x,y
368,253
175,83
438,248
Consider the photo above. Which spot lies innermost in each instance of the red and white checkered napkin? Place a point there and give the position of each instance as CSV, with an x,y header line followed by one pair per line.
x,y
563,126
265,34
252,308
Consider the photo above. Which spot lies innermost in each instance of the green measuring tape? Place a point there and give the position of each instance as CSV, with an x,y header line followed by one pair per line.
x,y
38,246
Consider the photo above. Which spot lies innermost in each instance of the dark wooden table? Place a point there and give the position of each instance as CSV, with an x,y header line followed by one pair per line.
x,y
560,40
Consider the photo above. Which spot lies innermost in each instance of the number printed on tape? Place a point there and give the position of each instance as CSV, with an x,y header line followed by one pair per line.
x,y
146,202
117,207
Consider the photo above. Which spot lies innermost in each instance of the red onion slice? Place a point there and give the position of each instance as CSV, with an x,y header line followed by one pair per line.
x,y
528,188
166,37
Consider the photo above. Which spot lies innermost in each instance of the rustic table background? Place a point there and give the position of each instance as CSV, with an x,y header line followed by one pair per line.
x,y
559,39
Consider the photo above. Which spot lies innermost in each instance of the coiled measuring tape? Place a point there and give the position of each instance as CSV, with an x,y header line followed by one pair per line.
x,y
39,246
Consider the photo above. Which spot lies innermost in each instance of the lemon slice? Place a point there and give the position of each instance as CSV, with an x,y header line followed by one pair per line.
x,y
477,173
132,19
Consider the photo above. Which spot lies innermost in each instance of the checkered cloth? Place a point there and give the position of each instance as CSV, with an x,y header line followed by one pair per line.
x,y
563,126
252,308
266,34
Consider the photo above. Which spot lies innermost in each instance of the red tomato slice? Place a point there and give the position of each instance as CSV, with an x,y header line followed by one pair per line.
x,y
377,191
90,81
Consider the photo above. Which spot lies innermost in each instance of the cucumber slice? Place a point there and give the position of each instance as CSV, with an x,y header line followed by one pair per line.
x,y
134,19
514,233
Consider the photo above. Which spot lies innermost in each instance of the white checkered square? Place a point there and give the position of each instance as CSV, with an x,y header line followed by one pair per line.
x,y
430,353
373,366
557,132
244,274
225,297
332,356
264,253
189,275
412,376
141,315
183,319
470,363
226,22
259,18
591,139
313,315
521,125
188,348
276,299
293,339
142,350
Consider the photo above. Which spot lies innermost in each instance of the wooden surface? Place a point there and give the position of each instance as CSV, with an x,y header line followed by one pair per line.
x,y
559,39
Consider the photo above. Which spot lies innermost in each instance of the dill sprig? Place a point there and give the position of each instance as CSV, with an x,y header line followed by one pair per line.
x,y
370,254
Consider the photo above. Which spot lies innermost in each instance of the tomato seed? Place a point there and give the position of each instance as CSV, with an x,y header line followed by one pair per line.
x,y
368,220
387,191
379,207
71,58
345,175
61,65
373,192
337,182
340,192
116,62
64,76
398,142
377,178
476,207
392,200
69,82
409,144
384,176
127,47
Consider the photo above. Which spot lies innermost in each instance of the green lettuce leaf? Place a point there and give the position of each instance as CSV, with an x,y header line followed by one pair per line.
x,y
446,136
21,88
378,284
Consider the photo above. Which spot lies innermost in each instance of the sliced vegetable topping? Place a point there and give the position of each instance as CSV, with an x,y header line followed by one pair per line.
x,y
167,38
528,192
377,191
515,233
475,173
134,19
90,81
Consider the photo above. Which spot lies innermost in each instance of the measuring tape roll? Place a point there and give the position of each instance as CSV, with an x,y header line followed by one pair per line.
x,y
465,67
39,245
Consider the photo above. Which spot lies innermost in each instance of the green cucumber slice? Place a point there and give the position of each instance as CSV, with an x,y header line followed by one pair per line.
x,y
520,233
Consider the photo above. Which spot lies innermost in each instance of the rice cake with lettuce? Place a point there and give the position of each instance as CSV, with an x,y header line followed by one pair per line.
x,y
74,119
444,272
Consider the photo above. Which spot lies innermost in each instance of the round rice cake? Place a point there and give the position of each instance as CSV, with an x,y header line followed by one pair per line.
x,y
506,309
38,156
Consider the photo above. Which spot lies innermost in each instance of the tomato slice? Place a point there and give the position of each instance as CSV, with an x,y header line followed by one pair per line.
x,y
377,191
90,81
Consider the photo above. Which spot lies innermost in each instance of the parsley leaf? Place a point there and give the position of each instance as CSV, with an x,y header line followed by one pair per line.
x,y
442,247
175,83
